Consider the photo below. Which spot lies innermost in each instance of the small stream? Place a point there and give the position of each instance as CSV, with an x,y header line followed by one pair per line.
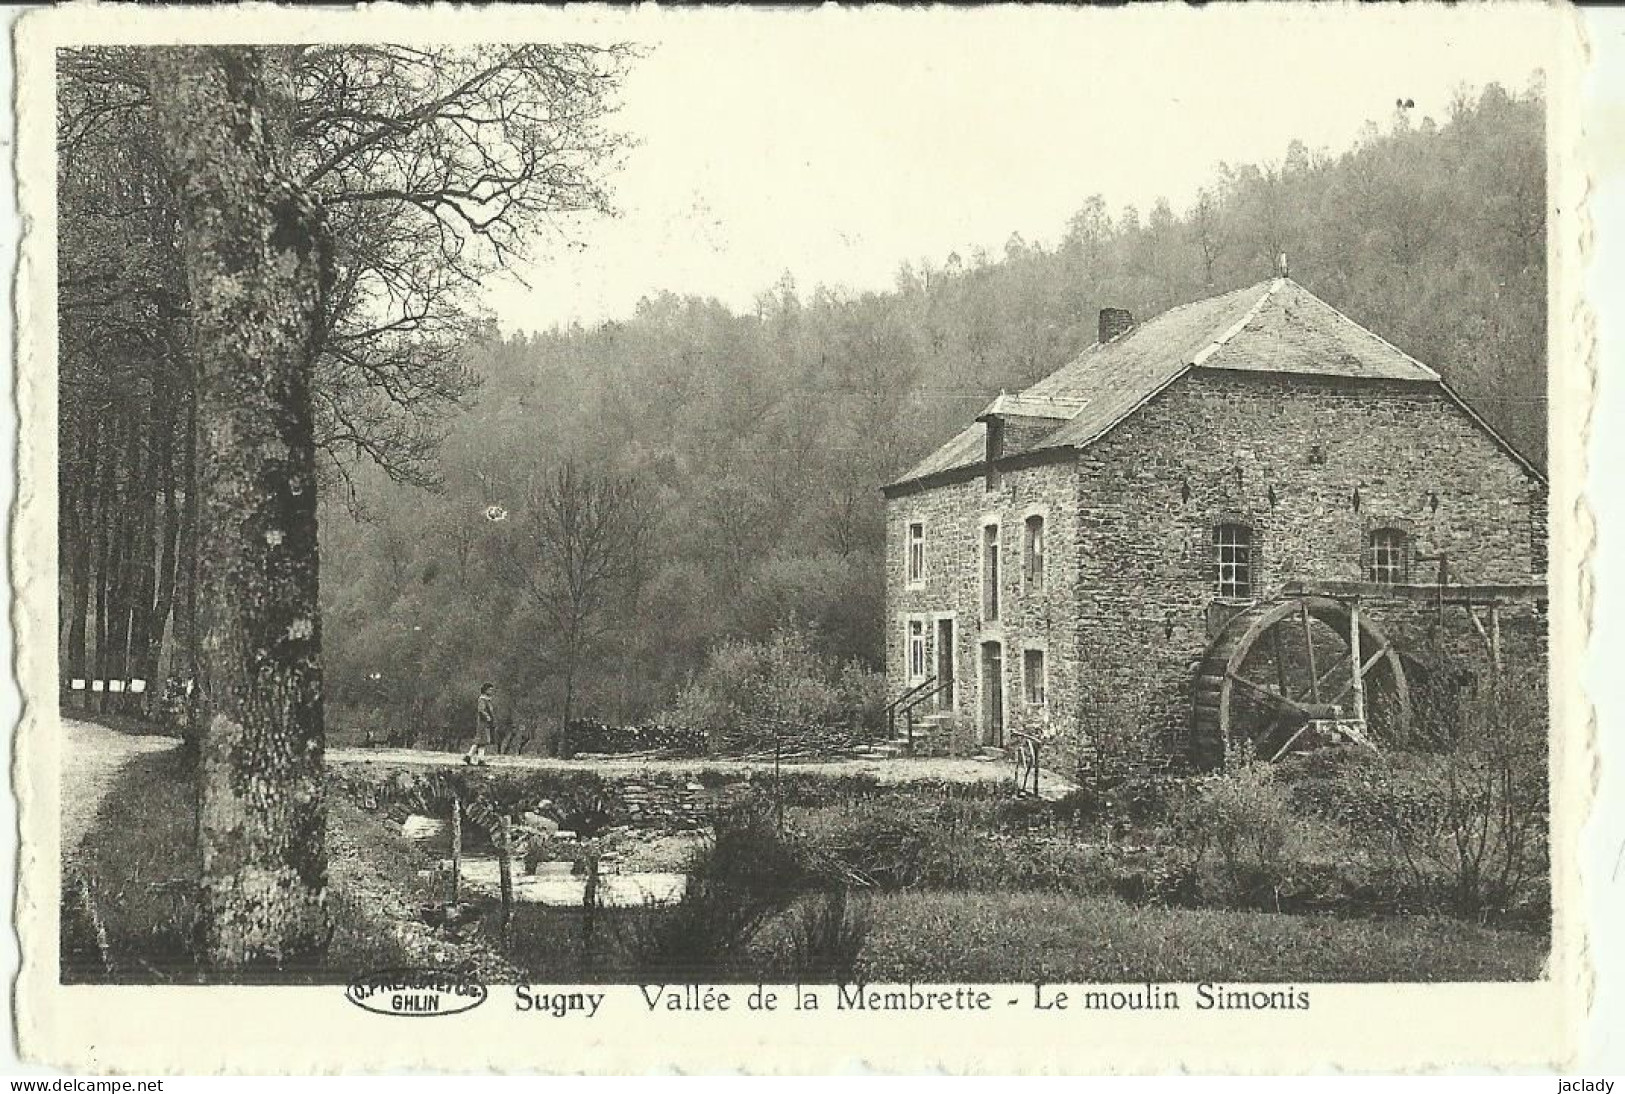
x,y
554,884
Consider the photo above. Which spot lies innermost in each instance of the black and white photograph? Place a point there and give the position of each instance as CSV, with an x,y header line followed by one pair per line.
x,y
1031,503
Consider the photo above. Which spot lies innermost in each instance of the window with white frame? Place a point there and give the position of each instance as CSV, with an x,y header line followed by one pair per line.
x,y
1033,553
916,650
1033,679
916,552
1233,560
990,573
1390,556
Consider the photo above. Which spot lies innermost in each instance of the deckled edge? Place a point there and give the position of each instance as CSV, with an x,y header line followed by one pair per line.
x,y
33,550
1572,376
40,441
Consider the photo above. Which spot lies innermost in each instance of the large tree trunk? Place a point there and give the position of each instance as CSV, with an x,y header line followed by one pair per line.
x,y
78,549
157,583
186,566
107,514
143,584
168,546
69,469
116,632
256,258
136,553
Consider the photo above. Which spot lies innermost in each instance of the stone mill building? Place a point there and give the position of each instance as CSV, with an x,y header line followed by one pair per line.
x,y
1244,517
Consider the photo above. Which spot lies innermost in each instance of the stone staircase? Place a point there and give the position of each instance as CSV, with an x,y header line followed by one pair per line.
x,y
932,735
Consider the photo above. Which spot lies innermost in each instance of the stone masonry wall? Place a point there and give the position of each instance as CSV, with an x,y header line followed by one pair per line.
x,y
1313,466
1029,618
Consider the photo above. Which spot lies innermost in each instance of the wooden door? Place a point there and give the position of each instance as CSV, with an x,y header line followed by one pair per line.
x,y
945,664
992,695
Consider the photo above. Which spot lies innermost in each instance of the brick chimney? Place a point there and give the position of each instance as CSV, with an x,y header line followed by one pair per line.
x,y
1114,323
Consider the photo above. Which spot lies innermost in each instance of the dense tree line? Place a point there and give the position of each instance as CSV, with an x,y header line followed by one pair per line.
x,y
266,253
432,168
755,444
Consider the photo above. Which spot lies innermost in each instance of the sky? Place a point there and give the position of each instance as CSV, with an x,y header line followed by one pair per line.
x,y
837,145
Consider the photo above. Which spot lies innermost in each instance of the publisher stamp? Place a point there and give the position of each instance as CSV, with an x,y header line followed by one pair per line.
x,y
415,993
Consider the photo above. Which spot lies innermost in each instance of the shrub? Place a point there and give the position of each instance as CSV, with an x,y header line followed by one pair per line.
x,y
862,694
1247,819
1400,792
745,876
782,692
588,736
900,843
170,709
1120,737
1164,874
827,938
1459,827
1486,821
881,846
1082,805
1146,799
1123,800
1326,763
588,813
1022,814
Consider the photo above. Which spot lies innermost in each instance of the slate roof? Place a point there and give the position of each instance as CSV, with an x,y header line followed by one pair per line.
x,y
1275,326
1031,406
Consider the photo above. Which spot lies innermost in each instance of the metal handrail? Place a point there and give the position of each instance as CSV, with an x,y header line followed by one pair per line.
x,y
891,708
1026,755
908,708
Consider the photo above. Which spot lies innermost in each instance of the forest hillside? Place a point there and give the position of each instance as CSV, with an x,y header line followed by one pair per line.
x,y
617,500
748,449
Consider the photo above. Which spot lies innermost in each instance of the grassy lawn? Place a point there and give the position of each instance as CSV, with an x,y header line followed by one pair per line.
x,y
983,910
1025,937
135,877
551,944
975,937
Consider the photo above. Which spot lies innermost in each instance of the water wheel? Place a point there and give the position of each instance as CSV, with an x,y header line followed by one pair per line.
x,y
1279,666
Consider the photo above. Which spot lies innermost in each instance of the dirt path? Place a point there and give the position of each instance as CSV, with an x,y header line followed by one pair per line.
x,y
91,759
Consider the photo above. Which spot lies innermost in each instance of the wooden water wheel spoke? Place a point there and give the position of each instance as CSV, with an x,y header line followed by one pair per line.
x,y
1290,741
1308,710
1232,707
1320,683
1309,644
1280,659
1370,663
1313,691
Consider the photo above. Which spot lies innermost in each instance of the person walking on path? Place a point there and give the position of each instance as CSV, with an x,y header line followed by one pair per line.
x,y
485,725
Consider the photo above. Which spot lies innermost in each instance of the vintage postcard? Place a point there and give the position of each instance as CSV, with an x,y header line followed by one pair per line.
x,y
997,540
